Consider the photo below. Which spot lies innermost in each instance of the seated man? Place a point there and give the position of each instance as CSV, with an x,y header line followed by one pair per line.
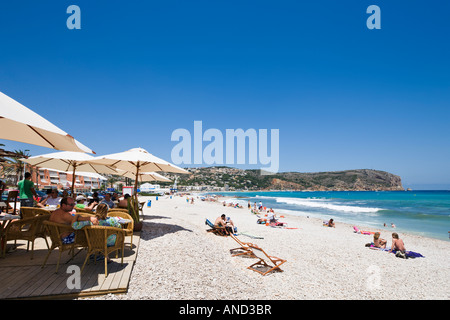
x,y
52,199
63,215
124,203
108,201
43,201
222,221
82,205
397,244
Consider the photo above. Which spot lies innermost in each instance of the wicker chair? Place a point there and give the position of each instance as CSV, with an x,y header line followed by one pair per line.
x,y
27,212
40,211
118,210
97,240
26,229
80,210
129,227
85,214
55,230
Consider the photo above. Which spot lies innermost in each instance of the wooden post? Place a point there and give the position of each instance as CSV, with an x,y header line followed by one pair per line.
x,y
73,180
136,203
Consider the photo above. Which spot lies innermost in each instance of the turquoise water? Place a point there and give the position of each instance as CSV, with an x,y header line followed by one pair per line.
x,y
425,213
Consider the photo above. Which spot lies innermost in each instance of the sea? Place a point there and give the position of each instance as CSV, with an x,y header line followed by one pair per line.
x,y
425,213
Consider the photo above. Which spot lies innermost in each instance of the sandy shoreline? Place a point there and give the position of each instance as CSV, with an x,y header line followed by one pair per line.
x,y
178,259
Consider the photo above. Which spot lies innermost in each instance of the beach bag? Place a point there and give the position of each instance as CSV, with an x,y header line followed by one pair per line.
x,y
261,221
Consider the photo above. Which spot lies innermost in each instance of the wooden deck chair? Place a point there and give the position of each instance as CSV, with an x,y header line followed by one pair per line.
x,y
221,231
262,266
244,247
97,237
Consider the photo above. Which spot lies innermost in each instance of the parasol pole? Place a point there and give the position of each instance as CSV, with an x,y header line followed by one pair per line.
x,y
136,205
73,179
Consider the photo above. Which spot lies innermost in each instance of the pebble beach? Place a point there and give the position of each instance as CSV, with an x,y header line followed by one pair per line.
x,y
179,260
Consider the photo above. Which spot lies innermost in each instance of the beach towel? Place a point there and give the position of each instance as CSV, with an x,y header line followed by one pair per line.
x,y
409,254
412,254
362,232
277,224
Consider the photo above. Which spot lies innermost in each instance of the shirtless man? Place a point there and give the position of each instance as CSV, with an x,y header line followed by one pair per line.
x,y
223,222
63,216
397,244
124,203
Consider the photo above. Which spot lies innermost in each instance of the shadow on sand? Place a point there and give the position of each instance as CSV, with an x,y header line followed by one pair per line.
x,y
152,230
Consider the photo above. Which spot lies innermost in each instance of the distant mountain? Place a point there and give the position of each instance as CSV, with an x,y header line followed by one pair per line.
x,y
235,179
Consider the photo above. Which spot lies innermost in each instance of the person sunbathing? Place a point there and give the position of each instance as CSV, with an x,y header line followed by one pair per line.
x,y
397,244
379,242
222,221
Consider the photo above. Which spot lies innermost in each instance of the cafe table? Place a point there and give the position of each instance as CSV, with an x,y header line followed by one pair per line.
x,y
124,221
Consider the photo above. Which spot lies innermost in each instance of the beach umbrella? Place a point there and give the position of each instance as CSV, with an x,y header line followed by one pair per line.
x,y
137,160
68,161
18,123
144,176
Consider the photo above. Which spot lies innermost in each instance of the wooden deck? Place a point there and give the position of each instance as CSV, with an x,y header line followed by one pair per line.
x,y
23,278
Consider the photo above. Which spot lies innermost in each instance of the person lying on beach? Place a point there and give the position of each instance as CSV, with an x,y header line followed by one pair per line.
x,y
378,242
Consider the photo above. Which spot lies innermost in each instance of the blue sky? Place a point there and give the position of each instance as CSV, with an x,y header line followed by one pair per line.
x,y
341,95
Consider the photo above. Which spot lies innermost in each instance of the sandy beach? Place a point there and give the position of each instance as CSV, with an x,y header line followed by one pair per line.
x,y
178,259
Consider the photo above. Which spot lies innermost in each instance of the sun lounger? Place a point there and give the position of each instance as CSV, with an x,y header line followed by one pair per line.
x,y
262,266
244,247
221,231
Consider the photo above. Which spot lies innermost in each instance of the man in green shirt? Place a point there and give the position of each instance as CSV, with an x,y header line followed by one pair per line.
x,y
26,191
